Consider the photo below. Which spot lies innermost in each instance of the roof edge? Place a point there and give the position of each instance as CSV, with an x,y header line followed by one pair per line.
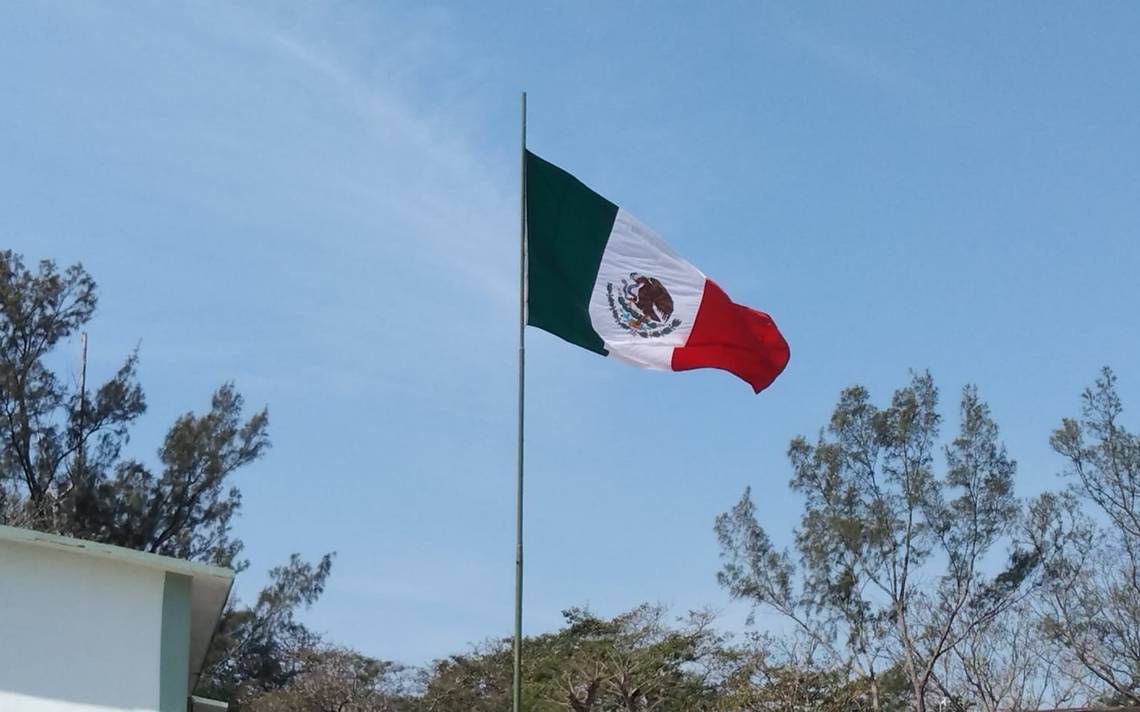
x,y
58,542
196,667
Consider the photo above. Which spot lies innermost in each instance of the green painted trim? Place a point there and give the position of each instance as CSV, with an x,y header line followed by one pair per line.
x,y
174,665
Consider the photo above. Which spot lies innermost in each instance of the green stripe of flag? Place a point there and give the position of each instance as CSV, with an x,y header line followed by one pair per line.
x,y
568,226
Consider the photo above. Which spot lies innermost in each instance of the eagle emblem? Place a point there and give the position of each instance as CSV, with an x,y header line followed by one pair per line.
x,y
642,305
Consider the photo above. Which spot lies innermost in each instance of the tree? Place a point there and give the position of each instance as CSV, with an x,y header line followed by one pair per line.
x,y
638,661
332,679
63,468
1007,664
479,681
635,662
890,555
774,673
1093,602
263,647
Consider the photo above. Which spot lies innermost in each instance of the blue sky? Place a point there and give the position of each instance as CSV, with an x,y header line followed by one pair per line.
x,y
319,201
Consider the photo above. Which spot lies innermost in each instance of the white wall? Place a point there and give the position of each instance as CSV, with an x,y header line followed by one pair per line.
x,y
77,633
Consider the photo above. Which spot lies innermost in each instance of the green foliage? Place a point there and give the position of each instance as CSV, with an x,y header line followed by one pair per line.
x,y
479,681
186,510
1092,602
62,469
771,673
263,647
332,679
889,553
638,661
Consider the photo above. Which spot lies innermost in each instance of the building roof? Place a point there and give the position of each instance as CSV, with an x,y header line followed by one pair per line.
x,y
209,588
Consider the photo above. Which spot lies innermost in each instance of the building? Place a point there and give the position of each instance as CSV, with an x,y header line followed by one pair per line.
x,y
92,627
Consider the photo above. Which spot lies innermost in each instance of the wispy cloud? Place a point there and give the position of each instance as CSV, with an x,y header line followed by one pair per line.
x,y
446,186
373,207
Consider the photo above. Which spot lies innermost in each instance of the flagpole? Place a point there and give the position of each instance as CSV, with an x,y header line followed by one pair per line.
x,y
516,690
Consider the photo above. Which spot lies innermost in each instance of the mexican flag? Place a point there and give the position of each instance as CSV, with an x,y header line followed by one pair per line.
x,y
600,279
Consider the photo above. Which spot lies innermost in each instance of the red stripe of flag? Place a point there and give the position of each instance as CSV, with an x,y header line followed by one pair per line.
x,y
732,337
